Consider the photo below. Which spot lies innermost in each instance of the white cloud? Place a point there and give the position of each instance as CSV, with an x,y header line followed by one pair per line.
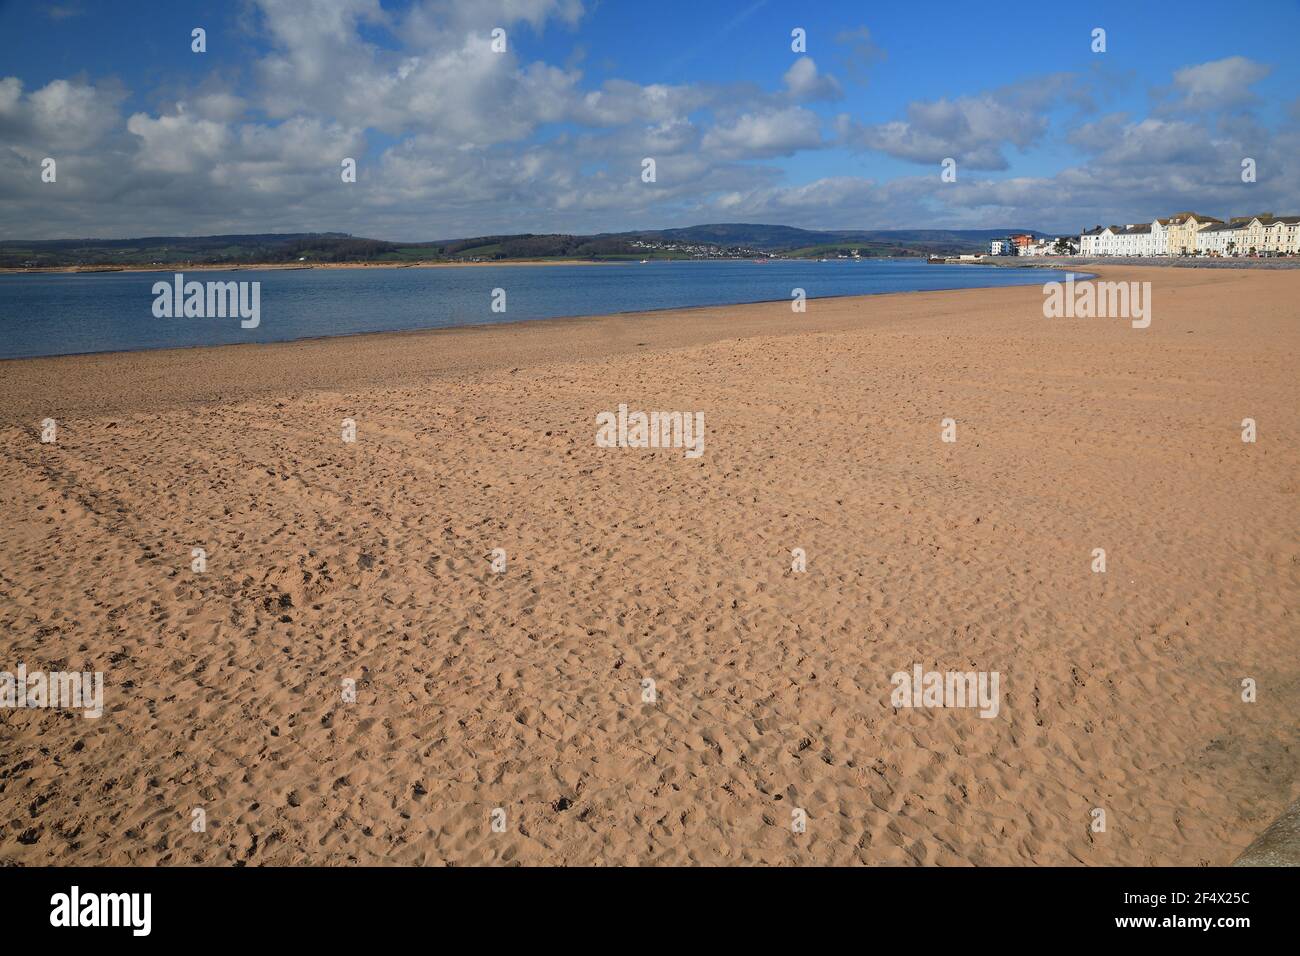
x,y
775,133
179,143
453,139
1217,85
975,130
63,114
804,83
218,106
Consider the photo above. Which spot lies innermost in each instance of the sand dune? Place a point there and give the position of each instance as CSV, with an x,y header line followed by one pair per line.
x,y
522,690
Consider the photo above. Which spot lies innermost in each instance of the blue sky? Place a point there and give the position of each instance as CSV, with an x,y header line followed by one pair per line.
x,y
451,138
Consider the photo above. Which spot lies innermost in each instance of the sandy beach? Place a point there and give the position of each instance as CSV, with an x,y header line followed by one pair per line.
x,y
519,695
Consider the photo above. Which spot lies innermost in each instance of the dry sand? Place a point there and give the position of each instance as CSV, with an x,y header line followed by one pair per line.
x,y
475,690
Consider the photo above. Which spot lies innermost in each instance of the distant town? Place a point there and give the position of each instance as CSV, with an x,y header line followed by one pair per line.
x,y
1182,234
697,250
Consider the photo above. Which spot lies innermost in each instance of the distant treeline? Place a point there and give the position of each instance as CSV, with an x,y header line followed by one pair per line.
x,y
331,249
536,247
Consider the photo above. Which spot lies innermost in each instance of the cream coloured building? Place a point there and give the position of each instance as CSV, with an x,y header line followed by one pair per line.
x,y
1275,233
1255,236
1182,230
1290,240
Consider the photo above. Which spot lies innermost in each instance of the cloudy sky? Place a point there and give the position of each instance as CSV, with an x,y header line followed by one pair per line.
x,y
453,139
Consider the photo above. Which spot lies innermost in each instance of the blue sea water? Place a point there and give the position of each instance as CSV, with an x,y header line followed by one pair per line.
x,y
61,314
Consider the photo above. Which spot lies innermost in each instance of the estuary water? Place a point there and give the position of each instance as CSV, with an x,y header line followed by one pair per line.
x,y
61,313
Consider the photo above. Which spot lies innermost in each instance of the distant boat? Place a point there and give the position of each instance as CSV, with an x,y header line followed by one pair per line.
x,y
644,261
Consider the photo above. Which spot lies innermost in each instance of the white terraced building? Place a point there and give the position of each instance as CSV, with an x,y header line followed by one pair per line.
x,y
1188,233
1159,237
1096,241
1220,239
1129,240
1134,240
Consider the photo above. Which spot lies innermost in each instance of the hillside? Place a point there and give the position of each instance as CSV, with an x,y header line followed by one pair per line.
x,y
719,240
775,238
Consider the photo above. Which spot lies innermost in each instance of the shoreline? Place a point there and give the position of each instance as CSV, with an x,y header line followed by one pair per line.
x,y
1167,262
492,325
607,334
92,382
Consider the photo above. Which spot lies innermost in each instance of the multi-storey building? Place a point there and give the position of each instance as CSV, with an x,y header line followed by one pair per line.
x,y
1269,233
1190,234
1255,238
1098,241
1220,239
1088,241
1135,240
1289,242
1183,228
1159,237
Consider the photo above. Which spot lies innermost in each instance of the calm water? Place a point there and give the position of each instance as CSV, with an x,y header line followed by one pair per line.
x,y
64,314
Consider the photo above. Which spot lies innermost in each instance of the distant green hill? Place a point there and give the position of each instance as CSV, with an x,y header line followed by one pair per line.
x,y
717,240
233,250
